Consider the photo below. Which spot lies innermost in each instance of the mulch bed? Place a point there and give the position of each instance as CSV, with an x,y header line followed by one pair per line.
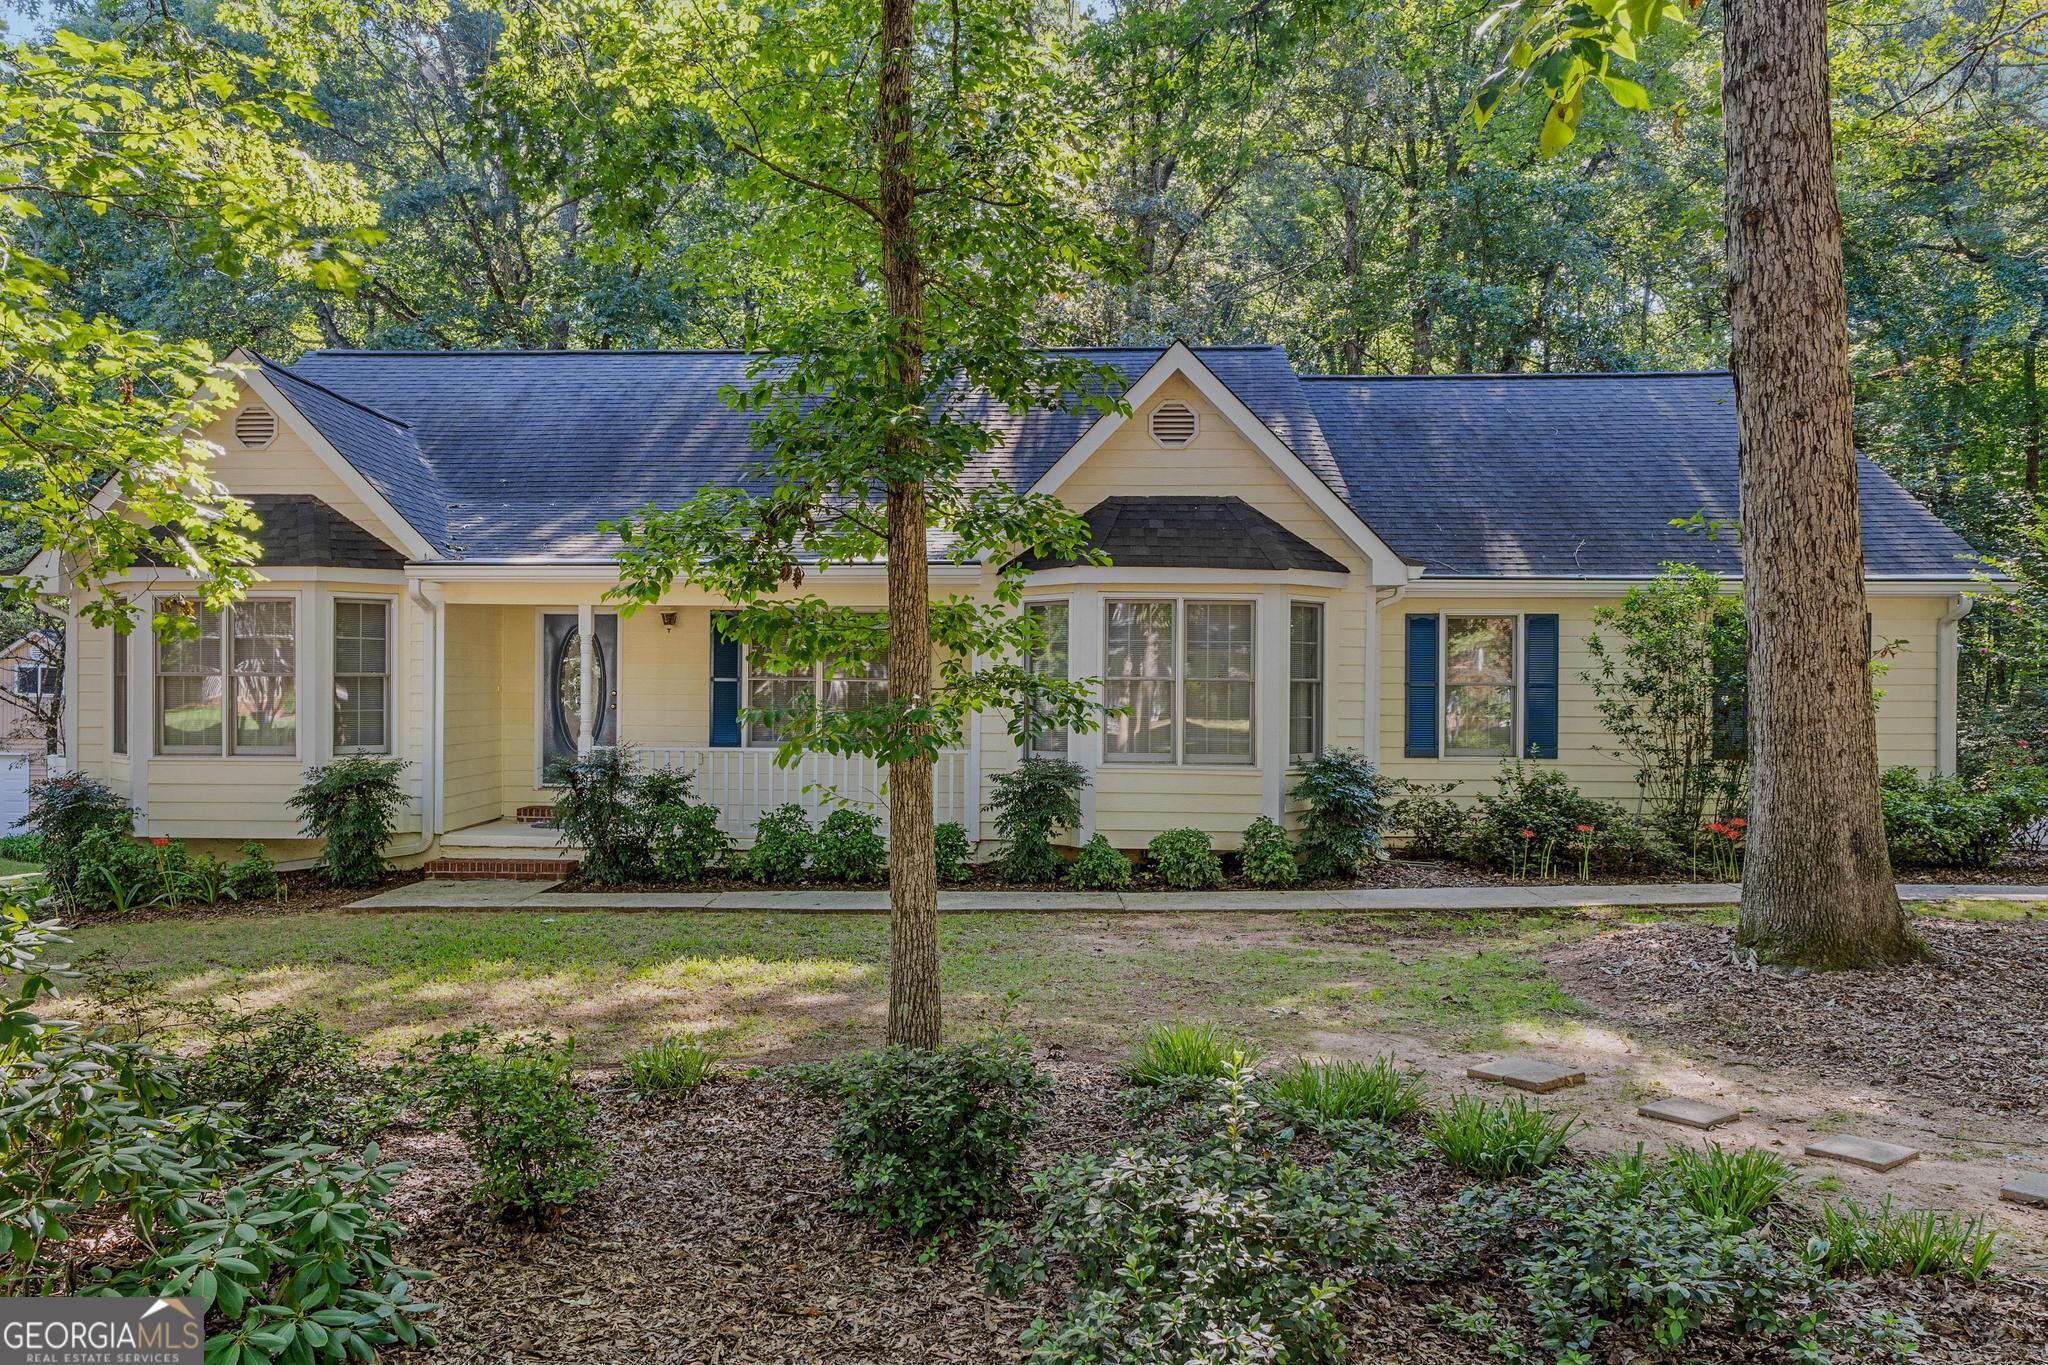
x,y
305,890
715,1239
1969,1028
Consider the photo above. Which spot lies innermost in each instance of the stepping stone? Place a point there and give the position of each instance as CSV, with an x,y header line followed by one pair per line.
x,y
1691,1113
1526,1073
2028,1189
1866,1152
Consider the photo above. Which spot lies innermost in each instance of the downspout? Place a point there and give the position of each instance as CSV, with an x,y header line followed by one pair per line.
x,y
1947,663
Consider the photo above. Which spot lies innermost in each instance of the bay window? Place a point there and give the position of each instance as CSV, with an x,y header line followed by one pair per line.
x,y
362,677
1479,686
1181,674
231,687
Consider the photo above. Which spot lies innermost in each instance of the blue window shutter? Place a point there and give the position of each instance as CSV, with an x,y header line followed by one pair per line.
x,y
725,687
1422,687
1539,689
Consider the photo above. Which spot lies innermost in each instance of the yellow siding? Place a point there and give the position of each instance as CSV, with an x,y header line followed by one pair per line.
x,y
287,465
1135,802
1905,714
475,736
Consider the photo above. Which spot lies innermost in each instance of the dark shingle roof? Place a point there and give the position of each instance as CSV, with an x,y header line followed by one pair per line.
x,y
1574,475
303,532
510,455
1193,533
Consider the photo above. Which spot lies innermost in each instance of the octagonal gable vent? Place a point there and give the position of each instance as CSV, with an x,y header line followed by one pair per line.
x,y
255,426
1174,424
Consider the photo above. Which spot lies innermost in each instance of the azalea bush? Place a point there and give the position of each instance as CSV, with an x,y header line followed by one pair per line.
x,y
1966,822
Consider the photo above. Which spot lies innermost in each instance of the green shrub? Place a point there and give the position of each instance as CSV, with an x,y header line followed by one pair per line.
x,y
1434,821
1346,816
116,871
62,813
291,1077
928,1139
352,804
1497,1139
950,850
253,877
21,848
1947,822
850,848
1031,803
670,1066
600,809
782,845
1266,856
1173,1052
1099,866
687,842
1617,1245
515,1106
1733,1185
1206,1246
1535,823
1346,1091
1883,1240
1183,858
269,1240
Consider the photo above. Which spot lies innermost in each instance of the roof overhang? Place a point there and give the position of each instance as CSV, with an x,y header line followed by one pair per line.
x,y
1387,566
1432,585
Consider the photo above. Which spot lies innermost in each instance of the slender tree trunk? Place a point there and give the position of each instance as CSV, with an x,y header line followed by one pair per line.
x,y
2030,383
1817,888
913,871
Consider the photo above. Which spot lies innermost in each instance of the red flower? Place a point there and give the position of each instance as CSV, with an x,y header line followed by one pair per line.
x,y
2021,743
1528,834
161,842
1716,827
1738,823
1585,829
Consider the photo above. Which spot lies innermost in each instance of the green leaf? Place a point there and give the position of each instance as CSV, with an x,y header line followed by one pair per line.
x,y
1626,93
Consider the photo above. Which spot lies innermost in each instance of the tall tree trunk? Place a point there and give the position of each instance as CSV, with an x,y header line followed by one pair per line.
x,y
913,871
2030,383
1818,887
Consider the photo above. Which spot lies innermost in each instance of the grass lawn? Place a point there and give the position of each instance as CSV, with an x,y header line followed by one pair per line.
x,y
775,985
8,867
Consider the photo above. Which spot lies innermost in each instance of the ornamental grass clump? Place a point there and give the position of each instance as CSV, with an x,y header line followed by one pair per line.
x,y
1497,1139
1882,1240
1732,1184
1179,1052
1347,1091
671,1066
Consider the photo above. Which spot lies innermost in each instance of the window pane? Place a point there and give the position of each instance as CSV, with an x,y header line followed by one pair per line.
x,y
857,686
776,692
188,714
1479,719
1050,659
1146,734
266,713
359,711
121,645
1219,687
1138,673
190,655
1219,726
361,637
263,637
1479,649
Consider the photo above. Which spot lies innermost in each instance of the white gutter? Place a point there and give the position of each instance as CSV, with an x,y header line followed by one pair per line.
x,y
471,571
1947,664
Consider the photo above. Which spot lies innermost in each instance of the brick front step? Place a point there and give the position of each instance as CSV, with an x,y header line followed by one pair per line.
x,y
500,869
534,814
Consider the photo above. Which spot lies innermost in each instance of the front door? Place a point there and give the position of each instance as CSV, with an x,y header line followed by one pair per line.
x,y
561,685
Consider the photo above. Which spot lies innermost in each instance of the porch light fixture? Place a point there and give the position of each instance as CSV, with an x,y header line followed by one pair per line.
x,y
668,619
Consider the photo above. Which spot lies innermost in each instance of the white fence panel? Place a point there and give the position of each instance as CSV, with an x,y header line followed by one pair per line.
x,y
13,791
744,784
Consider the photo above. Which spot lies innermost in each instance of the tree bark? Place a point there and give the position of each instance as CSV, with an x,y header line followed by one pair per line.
x,y
2030,388
913,871
1817,887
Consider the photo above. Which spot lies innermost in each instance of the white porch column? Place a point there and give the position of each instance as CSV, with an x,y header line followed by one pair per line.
x,y
1084,660
1270,674
1947,647
586,695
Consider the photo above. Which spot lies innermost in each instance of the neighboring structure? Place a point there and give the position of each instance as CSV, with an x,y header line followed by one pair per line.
x,y
1405,566
31,679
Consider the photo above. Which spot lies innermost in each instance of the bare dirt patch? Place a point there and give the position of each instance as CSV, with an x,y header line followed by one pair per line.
x,y
714,1239
1965,1030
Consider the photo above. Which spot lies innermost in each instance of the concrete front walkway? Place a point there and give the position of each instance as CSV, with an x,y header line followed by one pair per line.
x,y
539,895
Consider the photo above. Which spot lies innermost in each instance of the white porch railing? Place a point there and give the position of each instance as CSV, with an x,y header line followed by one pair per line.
x,y
746,783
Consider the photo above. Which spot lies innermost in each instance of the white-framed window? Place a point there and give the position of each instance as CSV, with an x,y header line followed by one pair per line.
x,y
120,642
1481,673
830,688
362,675
35,680
1182,672
1304,681
232,688
1052,659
